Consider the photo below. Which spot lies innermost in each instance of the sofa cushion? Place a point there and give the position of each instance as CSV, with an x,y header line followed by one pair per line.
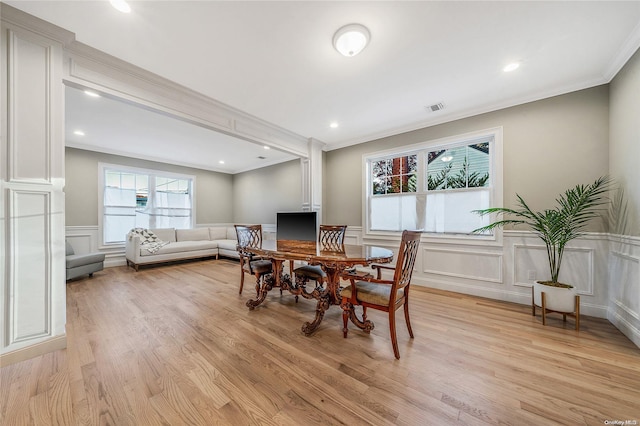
x,y
75,260
165,234
182,246
218,233
68,249
231,234
195,234
228,245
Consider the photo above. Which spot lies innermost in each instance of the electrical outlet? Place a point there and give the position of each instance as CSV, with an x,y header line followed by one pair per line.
x,y
531,274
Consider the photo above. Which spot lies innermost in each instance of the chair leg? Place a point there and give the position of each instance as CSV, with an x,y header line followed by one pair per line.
x,y
345,319
258,285
406,317
392,329
364,318
241,281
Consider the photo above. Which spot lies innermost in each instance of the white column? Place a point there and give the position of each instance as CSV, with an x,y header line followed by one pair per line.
x,y
32,253
311,168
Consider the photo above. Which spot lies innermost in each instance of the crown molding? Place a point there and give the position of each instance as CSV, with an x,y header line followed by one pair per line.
x,y
471,112
28,22
629,47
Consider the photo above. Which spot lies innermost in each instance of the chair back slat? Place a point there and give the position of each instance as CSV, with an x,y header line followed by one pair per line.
x,y
406,259
249,236
331,237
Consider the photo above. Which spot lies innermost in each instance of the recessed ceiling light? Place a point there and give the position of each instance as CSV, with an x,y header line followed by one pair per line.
x,y
92,94
121,5
333,125
267,147
511,67
78,132
221,161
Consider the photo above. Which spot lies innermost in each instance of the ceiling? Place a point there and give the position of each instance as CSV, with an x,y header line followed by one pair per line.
x,y
117,127
275,60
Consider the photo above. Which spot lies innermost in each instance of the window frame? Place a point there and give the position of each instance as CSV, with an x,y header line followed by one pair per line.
x,y
137,170
495,186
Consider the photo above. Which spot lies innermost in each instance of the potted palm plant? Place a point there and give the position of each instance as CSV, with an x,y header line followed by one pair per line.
x,y
575,208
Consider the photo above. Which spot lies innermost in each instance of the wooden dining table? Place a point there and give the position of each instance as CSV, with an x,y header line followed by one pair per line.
x,y
334,261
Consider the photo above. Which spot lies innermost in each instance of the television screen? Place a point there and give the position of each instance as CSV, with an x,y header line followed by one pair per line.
x,y
299,226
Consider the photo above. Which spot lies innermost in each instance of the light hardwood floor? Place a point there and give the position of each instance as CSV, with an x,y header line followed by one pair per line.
x,y
176,345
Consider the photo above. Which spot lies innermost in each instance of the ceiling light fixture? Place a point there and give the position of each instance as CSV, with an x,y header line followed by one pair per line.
x,y
511,67
267,147
333,125
92,94
351,39
121,5
78,132
221,161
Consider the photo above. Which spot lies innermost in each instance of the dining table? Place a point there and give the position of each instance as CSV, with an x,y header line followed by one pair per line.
x,y
335,260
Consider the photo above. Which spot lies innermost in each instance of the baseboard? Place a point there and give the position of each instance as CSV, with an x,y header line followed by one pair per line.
x,y
520,297
53,344
625,327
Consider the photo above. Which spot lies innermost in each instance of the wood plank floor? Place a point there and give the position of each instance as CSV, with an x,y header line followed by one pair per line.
x,y
176,345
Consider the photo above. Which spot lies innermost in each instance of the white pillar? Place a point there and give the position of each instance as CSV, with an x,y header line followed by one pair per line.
x,y
32,253
311,168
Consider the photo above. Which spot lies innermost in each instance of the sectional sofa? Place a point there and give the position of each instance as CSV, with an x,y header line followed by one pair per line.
x,y
183,244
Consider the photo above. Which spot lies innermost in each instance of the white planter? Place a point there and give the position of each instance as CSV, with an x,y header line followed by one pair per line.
x,y
556,298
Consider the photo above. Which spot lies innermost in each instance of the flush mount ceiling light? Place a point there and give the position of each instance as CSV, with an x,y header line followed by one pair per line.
x,y
351,39
78,132
121,5
91,94
333,124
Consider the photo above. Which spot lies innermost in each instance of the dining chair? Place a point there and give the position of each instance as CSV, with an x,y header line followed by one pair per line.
x,y
251,236
380,294
330,238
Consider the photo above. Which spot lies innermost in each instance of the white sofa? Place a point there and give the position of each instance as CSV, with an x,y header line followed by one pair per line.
x,y
183,244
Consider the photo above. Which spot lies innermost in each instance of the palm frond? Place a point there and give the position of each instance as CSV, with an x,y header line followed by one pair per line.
x,y
576,207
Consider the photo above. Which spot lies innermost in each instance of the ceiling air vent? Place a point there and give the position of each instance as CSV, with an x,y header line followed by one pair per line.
x,y
262,157
435,107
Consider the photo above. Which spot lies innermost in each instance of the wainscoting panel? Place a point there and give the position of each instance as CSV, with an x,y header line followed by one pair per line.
x,y
624,286
466,264
30,272
29,68
531,263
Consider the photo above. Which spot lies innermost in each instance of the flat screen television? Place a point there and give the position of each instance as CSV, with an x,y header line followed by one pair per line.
x,y
298,226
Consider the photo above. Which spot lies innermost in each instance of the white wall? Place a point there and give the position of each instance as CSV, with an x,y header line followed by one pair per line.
x,y
624,148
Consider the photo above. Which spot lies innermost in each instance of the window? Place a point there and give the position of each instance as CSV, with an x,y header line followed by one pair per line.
x,y
143,198
435,186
